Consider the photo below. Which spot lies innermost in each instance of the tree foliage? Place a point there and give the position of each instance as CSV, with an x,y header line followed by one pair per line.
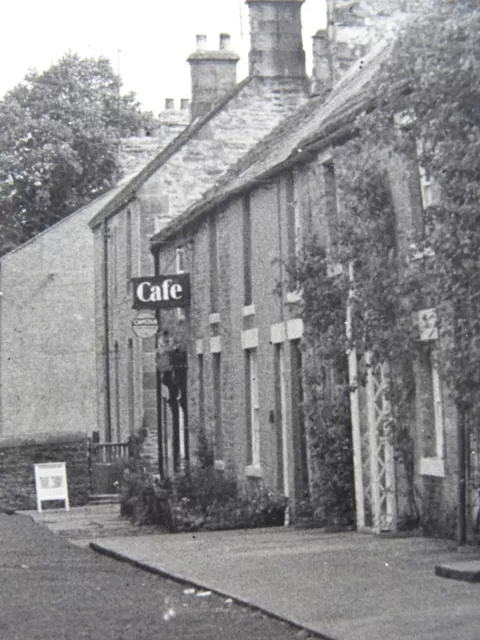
x,y
59,131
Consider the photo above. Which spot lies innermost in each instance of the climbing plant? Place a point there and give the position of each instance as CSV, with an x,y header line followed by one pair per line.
x,y
425,109
433,76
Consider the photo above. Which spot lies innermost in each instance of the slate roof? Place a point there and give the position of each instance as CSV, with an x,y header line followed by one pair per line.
x,y
127,193
318,120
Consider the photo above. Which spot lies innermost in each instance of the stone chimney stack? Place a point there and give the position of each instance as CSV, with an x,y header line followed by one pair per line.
x,y
355,26
213,73
276,39
322,80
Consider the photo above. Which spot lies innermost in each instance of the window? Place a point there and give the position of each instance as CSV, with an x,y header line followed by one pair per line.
x,y
201,391
252,408
180,259
426,187
117,390
180,268
131,391
331,201
293,229
247,252
213,254
425,194
113,244
128,248
217,404
298,422
430,412
426,182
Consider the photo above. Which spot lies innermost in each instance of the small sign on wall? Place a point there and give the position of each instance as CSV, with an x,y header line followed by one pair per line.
x,y
427,323
51,483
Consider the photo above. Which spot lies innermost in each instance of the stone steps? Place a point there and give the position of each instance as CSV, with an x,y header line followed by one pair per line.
x,y
104,498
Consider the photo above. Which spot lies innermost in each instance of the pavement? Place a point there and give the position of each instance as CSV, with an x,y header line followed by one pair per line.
x,y
53,590
342,586
81,525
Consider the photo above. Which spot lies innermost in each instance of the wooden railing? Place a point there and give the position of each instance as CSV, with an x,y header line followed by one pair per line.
x,y
110,451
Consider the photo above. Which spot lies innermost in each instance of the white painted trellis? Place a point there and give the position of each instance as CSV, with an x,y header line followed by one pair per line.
x,y
373,454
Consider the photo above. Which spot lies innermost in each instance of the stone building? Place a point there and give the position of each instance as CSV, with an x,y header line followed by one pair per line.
x,y
47,330
242,334
228,119
47,335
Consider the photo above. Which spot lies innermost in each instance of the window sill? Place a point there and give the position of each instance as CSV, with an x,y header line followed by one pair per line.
x,y
250,339
215,344
214,318
248,310
432,467
254,471
293,297
219,465
421,254
334,269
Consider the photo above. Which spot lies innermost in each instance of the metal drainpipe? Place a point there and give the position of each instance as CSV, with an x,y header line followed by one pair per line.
x,y
161,471
462,484
108,409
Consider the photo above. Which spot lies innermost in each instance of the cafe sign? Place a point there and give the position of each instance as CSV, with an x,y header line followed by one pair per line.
x,y
161,292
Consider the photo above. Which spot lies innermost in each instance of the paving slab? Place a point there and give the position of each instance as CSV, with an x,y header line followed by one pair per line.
x,y
81,525
343,586
466,570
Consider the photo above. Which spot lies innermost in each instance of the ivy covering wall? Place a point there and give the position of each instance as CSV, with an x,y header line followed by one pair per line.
x,y
388,264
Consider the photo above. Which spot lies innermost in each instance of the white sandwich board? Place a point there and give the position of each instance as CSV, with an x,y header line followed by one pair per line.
x,y
51,483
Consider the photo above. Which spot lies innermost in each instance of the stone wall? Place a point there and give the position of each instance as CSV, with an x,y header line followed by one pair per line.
x,y
435,496
18,455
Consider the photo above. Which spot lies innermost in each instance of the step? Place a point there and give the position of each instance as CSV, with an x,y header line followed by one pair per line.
x,y
104,498
466,570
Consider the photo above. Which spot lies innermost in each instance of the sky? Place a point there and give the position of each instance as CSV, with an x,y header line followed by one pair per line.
x,y
148,41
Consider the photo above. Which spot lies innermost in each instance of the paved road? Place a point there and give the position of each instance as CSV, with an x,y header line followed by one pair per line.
x,y
52,590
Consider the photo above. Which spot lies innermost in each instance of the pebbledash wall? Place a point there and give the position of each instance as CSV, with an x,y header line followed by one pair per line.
x,y
228,120
242,332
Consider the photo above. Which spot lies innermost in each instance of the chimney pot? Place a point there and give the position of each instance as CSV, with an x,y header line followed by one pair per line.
x,y
184,104
169,103
224,42
201,43
322,63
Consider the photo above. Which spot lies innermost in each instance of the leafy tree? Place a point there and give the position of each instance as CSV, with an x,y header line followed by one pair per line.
x,y
59,131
